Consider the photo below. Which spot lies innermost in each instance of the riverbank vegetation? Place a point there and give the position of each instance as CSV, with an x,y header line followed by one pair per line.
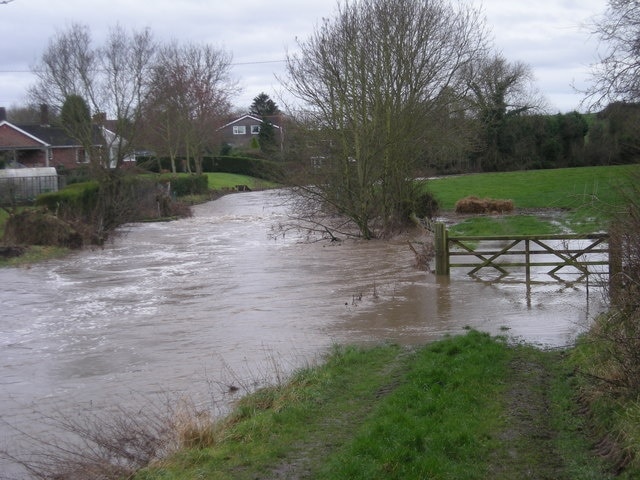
x,y
470,406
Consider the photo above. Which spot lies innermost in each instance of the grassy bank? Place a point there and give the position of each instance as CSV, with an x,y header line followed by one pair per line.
x,y
467,407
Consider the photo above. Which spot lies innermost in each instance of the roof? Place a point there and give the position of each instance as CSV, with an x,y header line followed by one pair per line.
x,y
53,136
245,117
23,132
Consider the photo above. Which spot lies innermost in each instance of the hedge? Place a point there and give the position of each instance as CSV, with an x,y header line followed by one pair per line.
x,y
182,185
81,197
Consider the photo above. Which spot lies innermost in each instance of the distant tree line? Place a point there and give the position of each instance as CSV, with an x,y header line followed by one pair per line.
x,y
537,141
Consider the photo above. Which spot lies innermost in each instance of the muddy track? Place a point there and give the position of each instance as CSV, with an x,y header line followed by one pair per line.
x,y
529,438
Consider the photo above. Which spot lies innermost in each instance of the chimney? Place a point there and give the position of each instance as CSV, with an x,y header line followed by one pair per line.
x,y
99,118
44,115
3,114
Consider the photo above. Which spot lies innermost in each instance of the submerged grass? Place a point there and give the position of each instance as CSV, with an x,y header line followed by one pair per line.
x,y
504,225
470,406
34,254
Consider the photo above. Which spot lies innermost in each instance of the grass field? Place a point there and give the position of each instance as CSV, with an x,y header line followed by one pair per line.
x,y
588,195
219,181
565,188
586,198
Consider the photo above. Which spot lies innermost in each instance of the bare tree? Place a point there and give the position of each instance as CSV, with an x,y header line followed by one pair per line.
x,y
374,81
616,75
68,66
112,79
191,88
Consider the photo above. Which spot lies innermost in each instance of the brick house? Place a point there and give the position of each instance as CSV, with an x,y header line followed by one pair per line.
x,y
45,145
239,132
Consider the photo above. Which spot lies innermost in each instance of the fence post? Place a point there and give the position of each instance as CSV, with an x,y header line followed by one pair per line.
x,y
527,254
615,261
442,249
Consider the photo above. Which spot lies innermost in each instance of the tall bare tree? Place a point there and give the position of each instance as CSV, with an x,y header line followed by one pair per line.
x,y
374,81
190,95
112,79
616,75
68,66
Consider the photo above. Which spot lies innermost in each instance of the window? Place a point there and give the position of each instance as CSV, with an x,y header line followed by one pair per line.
x,y
239,130
82,156
255,129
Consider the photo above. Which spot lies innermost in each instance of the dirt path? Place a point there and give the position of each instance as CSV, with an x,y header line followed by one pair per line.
x,y
529,438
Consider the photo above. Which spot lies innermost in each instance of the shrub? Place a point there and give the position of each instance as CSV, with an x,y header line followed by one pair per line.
x,y
474,205
617,333
81,198
37,227
95,209
426,205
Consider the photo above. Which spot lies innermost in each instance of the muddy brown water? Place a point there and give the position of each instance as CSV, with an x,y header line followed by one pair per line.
x,y
191,306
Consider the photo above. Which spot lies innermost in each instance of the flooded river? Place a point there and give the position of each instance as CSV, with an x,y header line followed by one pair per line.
x,y
173,307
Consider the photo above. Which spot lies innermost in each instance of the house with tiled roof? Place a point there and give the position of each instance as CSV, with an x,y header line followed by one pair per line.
x,y
45,145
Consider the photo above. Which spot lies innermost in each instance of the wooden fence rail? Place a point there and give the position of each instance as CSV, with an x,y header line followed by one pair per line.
x,y
560,251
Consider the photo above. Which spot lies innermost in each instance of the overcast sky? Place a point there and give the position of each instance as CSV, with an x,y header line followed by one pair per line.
x,y
549,35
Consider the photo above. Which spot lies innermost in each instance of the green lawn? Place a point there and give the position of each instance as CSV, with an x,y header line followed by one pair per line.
x,y
588,196
220,181
3,219
557,188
